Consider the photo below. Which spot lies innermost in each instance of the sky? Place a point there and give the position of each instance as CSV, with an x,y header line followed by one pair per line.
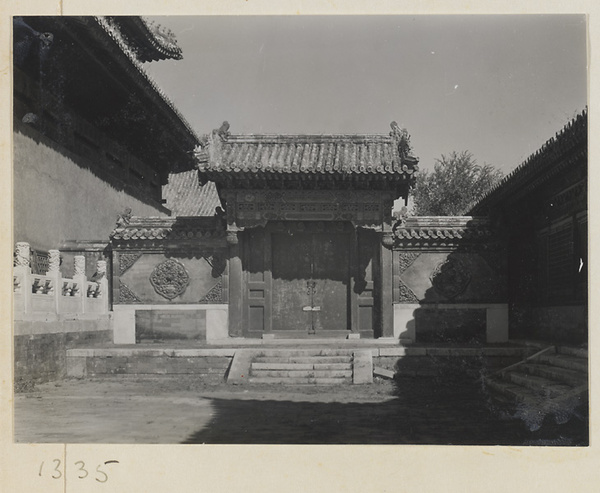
x,y
497,86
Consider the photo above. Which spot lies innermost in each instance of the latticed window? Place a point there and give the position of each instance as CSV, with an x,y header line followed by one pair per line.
x,y
39,262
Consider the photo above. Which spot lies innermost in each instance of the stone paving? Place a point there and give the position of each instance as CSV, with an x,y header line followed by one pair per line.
x,y
416,410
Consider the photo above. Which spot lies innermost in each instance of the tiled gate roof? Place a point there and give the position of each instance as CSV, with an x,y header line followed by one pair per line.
x,y
186,197
281,156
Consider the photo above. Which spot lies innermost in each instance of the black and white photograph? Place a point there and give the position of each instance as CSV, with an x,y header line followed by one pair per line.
x,y
300,230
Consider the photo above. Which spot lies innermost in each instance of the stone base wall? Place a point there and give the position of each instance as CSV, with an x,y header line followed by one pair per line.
x,y
134,323
567,324
40,347
458,323
209,366
434,366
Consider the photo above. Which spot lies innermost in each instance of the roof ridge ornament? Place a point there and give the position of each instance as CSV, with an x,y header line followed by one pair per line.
x,y
402,137
209,146
223,131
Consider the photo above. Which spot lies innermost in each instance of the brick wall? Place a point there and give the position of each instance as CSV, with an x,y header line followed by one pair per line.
x,y
55,199
40,347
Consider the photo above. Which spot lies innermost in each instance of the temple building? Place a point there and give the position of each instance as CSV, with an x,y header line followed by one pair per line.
x,y
541,210
94,140
93,134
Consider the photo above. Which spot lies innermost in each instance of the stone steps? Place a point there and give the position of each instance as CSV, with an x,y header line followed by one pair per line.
x,y
540,385
307,369
565,361
514,392
554,382
302,366
572,378
304,359
302,373
571,351
298,381
304,353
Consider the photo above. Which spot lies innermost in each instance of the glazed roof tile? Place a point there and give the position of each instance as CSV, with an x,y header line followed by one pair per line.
x,y
150,40
186,197
223,153
114,32
169,228
443,228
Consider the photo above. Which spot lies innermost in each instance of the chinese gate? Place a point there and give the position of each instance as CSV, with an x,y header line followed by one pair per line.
x,y
308,221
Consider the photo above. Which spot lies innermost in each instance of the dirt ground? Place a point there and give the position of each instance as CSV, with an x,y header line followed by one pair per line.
x,y
166,409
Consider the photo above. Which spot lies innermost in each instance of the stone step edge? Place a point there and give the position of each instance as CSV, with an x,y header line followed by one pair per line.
x,y
524,395
569,363
540,385
301,366
302,373
571,351
571,377
534,356
300,381
303,359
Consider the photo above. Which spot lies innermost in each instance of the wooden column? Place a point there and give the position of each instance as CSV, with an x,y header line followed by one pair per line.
x,y
353,268
387,307
235,286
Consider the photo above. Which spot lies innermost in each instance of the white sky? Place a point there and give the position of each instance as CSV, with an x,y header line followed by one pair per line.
x,y
498,86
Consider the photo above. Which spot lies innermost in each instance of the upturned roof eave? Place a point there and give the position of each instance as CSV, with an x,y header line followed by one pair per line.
x,y
142,79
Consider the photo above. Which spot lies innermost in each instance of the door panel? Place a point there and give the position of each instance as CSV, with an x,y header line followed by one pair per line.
x,y
330,273
310,282
256,308
291,266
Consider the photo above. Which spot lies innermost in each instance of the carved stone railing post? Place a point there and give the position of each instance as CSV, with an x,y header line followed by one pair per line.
x,y
79,280
54,274
102,283
22,277
53,262
22,254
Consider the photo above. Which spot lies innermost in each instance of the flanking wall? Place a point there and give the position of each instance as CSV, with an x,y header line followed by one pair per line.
x,y
449,281
170,280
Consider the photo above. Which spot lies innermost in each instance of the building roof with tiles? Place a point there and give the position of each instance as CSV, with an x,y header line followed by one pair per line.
x,y
223,157
185,196
562,152
434,229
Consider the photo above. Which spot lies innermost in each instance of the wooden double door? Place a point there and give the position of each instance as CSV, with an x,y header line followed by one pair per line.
x,y
310,282
303,283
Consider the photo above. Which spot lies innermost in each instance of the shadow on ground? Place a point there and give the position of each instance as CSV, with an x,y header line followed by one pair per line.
x,y
449,409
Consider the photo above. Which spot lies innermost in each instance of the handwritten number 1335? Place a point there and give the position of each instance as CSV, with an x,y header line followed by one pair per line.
x,y
82,472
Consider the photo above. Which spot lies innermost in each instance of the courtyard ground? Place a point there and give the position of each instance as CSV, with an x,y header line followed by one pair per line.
x,y
411,410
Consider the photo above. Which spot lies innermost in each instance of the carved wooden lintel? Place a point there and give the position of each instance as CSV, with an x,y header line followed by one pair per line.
x,y
254,208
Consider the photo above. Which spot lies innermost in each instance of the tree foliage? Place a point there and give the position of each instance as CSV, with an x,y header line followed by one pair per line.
x,y
455,184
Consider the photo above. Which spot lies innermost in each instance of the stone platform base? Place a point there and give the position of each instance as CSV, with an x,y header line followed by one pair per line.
x,y
217,364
